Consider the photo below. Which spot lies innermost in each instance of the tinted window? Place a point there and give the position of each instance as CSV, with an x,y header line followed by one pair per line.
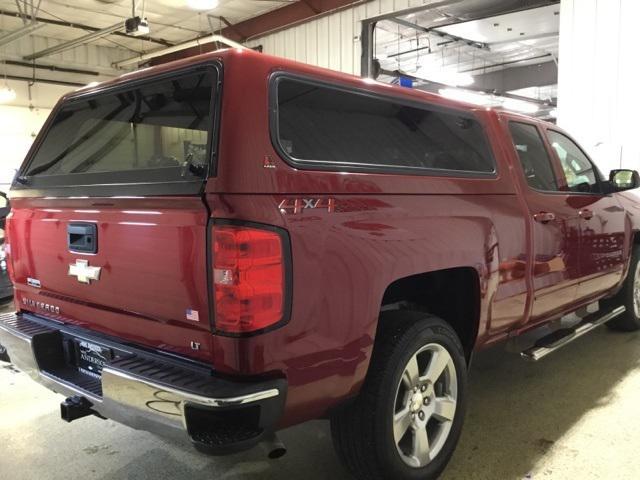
x,y
147,132
321,124
579,172
533,156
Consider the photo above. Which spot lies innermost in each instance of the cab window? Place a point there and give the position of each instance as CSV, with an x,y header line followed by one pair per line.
x,y
580,174
533,157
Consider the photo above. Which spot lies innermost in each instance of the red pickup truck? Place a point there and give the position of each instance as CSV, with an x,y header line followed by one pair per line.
x,y
223,246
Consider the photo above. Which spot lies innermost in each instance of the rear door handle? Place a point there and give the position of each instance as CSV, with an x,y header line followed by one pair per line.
x,y
586,214
544,217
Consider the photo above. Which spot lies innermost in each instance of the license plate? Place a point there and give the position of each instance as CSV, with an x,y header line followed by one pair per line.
x,y
91,358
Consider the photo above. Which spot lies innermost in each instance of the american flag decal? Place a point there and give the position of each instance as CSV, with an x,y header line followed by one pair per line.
x,y
192,315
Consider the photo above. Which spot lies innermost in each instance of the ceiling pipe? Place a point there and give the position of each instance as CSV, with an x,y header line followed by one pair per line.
x,y
176,48
79,26
65,83
75,42
9,37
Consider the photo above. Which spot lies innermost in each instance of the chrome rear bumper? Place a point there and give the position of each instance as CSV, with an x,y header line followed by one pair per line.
x,y
148,391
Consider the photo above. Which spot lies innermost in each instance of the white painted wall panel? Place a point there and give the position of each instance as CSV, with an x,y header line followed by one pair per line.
x,y
332,41
598,94
18,127
90,56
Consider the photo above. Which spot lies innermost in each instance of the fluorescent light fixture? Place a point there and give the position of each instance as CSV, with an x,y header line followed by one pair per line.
x,y
520,106
7,94
468,96
202,4
447,77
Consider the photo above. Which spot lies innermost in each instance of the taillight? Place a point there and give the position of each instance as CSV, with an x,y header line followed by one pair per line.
x,y
249,277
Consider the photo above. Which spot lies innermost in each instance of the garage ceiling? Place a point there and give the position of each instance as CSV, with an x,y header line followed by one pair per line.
x,y
512,53
170,20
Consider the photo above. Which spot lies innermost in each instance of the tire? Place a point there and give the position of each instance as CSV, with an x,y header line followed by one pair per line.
x,y
366,432
629,297
4,356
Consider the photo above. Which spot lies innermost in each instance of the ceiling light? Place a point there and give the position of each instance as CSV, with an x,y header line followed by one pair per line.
x,y
477,98
202,4
7,94
520,106
447,76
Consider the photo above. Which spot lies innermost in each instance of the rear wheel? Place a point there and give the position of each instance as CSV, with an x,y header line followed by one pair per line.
x,y
629,296
406,421
4,356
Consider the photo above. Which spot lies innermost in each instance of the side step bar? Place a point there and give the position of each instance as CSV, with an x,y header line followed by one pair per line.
x,y
564,336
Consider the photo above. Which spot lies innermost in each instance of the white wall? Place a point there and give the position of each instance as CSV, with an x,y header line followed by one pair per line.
x,y
21,120
18,127
599,79
332,41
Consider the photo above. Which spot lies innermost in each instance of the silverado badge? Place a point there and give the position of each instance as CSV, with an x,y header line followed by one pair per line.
x,y
83,272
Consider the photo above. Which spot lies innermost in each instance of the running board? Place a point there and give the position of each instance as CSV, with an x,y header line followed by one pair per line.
x,y
564,336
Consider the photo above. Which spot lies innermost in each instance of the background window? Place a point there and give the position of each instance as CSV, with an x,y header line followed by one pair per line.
x,y
580,174
533,156
321,124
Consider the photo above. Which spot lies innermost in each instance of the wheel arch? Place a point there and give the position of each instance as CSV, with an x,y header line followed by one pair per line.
x,y
452,294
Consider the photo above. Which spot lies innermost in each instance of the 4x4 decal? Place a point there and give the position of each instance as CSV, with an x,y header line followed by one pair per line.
x,y
298,205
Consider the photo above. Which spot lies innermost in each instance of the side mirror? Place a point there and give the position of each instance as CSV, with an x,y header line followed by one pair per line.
x,y
624,179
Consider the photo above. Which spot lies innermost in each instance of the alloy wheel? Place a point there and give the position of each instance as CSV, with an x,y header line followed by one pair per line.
x,y
425,405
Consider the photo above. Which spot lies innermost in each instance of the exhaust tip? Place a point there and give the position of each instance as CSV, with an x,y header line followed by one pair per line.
x,y
277,453
274,447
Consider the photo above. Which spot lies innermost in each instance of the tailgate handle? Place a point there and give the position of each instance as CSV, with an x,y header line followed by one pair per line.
x,y
82,237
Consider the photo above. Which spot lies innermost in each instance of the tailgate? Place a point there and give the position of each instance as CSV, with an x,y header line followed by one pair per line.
x,y
146,283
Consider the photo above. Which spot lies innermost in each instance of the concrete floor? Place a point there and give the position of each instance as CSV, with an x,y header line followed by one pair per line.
x,y
574,415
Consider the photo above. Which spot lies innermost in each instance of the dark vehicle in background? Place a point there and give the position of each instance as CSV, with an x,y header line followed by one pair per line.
x,y
221,247
6,287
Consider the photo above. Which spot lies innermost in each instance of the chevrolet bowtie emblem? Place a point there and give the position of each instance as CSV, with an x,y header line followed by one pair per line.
x,y
83,272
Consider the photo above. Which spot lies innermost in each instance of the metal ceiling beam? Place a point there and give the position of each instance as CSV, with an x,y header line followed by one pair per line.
x,y
80,26
51,68
409,11
285,17
515,78
75,42
440,33
44,80
487,66
28,29
539,36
